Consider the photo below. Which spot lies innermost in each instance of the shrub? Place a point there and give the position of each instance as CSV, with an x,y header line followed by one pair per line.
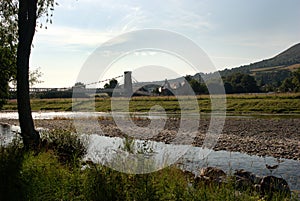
x,y
66,145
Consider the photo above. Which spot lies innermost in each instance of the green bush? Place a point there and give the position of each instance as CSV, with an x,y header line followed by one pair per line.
x,y
11,159
67,145
43,177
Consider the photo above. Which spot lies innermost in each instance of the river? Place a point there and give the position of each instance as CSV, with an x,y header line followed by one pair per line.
x,y
102,149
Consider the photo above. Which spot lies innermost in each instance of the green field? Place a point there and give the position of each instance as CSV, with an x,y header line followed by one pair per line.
x,y
236,104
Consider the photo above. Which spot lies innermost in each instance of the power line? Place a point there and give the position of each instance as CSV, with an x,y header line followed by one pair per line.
x,y
92,83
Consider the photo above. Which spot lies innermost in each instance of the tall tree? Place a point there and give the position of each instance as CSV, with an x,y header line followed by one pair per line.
x,y
29,11
18,19
27,16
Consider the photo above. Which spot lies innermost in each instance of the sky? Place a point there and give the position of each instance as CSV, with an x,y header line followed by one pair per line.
x,y
231,33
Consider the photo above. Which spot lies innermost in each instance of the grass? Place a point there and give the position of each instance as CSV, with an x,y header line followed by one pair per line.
x,y
288,103
43,175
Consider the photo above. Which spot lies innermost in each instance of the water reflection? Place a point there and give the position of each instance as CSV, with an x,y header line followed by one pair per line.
x,y
193,161
71,115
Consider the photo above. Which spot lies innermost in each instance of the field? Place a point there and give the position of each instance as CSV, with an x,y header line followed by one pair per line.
x,y
277,68
235,104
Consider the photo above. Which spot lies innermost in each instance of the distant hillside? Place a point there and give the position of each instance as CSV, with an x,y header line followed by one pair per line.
x,y
270,71
267,72
283,61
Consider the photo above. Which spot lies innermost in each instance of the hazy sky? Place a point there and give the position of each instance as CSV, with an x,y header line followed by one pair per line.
x,y
231,32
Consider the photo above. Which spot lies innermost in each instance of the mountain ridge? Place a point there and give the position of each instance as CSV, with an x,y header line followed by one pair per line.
x,y
286,58
268,71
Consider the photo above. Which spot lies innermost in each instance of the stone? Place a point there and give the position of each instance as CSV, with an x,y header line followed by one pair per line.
x,y
271,184
248,176
212,173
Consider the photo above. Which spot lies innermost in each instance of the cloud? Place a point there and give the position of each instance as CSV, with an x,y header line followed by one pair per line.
x,y
67,36
233,32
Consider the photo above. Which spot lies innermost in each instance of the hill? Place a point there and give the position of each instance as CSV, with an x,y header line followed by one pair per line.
x,y
269,71
287,60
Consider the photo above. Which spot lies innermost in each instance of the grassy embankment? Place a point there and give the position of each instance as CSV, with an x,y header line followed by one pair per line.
x,y
236,104
55,173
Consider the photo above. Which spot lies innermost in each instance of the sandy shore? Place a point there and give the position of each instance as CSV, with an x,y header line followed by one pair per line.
x,y
256,136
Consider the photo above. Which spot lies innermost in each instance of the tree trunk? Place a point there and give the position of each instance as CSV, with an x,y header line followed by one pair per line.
x,y
27,16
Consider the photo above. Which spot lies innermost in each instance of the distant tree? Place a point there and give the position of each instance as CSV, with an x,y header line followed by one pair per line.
x,y
240,83
198,88
113,83
249,84
287,85
296,80
228,88
291,84
188,78
79,85
34,78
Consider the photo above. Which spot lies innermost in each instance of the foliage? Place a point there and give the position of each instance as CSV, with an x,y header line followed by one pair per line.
x,y
233,83
7,68
66,145
240,83
198,88
291,84
79,85
28,175
113,83
11,158
270,81
43,176
34,78
55,94
197,84
9,41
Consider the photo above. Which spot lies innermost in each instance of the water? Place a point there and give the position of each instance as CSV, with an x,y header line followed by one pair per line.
x,y
53,115
102,149
153,115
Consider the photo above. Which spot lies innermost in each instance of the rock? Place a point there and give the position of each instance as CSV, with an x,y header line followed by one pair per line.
x,y
244,179
271,184
248,176
212,174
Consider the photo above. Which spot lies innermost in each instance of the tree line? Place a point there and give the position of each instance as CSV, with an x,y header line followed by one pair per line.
x,y
245,83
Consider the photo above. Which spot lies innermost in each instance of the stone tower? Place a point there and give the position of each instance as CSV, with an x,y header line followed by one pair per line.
x,y
127,83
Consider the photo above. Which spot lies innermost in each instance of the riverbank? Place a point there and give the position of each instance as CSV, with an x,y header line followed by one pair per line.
x,y
277,137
